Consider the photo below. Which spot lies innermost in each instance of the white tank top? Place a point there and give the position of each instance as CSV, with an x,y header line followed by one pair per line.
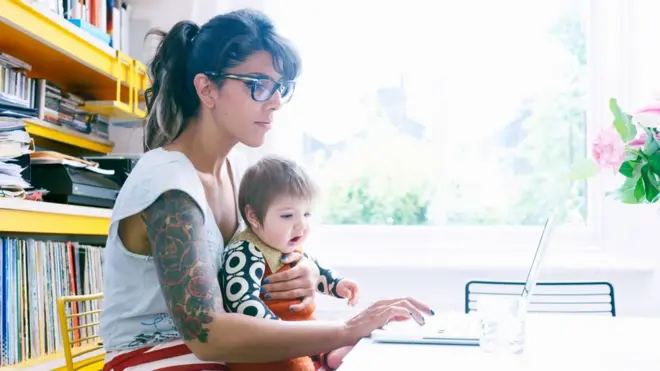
x,y
134,313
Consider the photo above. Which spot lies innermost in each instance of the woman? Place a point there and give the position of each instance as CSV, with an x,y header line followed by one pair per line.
x,y
213,87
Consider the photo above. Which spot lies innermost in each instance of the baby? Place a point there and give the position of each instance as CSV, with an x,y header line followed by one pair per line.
x,y
276,198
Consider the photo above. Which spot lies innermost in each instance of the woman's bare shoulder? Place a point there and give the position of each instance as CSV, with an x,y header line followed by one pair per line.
x,y
156,173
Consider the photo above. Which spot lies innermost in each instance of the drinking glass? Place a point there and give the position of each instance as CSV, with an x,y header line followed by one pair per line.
x,y
502,321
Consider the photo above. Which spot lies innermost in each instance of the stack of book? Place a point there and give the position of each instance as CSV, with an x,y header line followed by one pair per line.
x,y
33,275
24,97
17,101
17,91
51,107
105,20
62,108
14,158
99,126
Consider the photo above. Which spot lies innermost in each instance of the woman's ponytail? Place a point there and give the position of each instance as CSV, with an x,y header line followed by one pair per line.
x,y
165,98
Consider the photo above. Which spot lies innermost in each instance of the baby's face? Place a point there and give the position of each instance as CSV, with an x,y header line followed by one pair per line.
x,y
286,224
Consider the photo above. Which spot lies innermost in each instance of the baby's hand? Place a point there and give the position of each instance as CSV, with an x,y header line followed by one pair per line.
x,y
348,289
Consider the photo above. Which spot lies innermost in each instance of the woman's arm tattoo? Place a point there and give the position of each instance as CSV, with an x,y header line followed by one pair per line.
x,y
175,228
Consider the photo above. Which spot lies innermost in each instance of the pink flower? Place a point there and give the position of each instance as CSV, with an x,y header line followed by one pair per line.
x,y
608,150
649,116
639,142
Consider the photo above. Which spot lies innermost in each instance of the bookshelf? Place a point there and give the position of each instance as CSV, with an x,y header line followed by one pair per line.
x,y
112,84
73,59
48,359
50,270
36,217
44,131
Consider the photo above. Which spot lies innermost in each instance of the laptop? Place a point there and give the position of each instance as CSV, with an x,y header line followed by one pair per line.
x,y
464,331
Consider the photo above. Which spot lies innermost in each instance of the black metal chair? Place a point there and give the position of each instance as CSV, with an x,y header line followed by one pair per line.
x,y
595,298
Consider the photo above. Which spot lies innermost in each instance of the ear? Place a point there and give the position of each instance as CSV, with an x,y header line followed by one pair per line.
x,y
204,89
251,216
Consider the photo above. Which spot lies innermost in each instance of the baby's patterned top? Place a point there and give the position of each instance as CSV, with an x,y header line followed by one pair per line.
x,y
247,260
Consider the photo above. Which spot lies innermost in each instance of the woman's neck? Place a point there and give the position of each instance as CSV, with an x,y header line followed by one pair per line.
x,y
205,146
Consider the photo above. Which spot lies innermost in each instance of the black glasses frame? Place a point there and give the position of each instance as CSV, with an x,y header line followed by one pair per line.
x,y
285,88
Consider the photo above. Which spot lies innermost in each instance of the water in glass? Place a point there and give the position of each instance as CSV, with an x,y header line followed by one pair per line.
x,y
502,324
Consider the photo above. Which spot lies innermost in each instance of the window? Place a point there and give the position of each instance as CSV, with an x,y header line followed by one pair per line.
x,y
458,120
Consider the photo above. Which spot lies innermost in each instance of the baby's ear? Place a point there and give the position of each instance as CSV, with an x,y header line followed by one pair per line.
x,y
251,216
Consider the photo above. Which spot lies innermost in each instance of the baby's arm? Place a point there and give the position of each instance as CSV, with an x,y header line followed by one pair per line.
x,y
328,280
240,280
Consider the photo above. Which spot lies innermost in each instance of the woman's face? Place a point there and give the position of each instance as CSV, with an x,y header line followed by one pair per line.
x,y
236,113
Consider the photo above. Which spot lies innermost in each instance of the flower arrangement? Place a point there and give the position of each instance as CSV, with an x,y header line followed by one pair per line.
x,y
630,147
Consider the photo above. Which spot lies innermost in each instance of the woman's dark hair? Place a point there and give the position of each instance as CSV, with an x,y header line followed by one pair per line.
x,y
187,49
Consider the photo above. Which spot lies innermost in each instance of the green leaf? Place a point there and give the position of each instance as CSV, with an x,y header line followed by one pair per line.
x,y
650,184
583,169
639,190
654,162
630,156
622,122
631,191
651,145
628,168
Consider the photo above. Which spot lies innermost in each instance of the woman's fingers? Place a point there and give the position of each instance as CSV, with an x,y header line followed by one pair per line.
x,y
306,302
295,278
391,312
412,301
384,311
413,311
286,275
401,309
284,285
290,294
291,257
400,318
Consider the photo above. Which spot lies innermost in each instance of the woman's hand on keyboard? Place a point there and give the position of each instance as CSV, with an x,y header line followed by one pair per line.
x,y
384,311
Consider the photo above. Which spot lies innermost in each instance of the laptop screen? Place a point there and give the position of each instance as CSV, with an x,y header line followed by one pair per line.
x,y
532,275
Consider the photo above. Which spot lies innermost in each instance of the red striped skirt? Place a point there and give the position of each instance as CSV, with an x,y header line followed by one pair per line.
x,y
171,356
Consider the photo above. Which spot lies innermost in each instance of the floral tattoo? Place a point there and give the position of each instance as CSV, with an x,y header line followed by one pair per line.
x,y
175,228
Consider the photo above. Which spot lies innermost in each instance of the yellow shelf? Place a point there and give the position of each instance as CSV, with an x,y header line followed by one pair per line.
x,y
36,217
48,358
31,363
46,130
68,56
117,110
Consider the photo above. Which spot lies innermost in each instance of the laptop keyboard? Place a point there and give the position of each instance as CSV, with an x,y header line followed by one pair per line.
x,y
460,326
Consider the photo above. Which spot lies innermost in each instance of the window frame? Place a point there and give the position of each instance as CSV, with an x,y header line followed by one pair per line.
x,y
609,25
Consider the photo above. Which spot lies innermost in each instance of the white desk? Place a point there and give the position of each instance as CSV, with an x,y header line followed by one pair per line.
x,y
553,342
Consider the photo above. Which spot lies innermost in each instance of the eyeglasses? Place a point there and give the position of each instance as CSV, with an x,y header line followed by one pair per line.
x,y
261,88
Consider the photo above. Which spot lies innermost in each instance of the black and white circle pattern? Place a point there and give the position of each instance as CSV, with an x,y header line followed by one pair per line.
x,y
244,269
328,281
323,285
